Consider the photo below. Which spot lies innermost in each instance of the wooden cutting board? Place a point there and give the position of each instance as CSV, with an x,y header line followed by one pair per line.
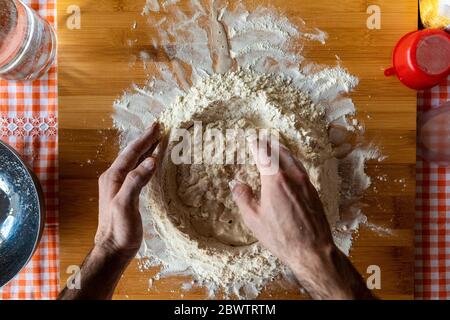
x,y
94,70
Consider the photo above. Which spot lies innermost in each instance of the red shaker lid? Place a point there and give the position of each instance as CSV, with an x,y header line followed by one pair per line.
x,y
433,54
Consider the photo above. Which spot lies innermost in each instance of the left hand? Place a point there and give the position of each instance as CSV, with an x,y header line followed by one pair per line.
x,y
120,225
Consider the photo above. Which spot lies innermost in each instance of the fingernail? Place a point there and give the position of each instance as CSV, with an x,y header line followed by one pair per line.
x,y
232,184
153,125
284,147
149,164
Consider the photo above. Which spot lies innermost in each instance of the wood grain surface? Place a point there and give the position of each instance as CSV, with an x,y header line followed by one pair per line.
x,y
94,69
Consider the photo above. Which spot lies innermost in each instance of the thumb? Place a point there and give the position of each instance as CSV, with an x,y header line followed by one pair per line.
x,y
244,198
137,179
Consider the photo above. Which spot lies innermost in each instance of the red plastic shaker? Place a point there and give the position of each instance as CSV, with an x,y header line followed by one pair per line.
x,y
421,59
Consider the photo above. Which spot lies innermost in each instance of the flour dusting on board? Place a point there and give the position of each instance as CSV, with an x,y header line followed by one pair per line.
x,y
220,54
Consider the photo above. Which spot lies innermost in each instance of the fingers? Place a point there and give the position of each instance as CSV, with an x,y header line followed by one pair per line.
x,y
266,158
129,158
288,162
279,160
244,198
137,179
271,156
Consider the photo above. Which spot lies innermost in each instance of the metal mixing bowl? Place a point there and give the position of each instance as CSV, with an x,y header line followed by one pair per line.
x,y
22,213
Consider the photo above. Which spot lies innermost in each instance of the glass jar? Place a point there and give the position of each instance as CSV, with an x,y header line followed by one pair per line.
x,y
27,42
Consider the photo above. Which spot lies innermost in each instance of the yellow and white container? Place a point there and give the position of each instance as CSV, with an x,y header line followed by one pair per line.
x,y
435,13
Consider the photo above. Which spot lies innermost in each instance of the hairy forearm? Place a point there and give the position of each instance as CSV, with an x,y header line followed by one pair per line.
x,y
99,275
333,277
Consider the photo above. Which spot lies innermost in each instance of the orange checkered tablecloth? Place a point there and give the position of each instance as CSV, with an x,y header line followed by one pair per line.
x,y
432,232
29,123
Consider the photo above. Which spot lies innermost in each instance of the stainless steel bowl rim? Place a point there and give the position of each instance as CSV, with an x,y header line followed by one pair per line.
x,y
39,195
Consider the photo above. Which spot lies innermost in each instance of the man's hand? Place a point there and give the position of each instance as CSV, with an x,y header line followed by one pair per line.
x,y
119,233
290,222
120,225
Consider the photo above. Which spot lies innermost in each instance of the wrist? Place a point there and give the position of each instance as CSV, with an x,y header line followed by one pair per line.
x,y
323,274
99,275
105,251
318,258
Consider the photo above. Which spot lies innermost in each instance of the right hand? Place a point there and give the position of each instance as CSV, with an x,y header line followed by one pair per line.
x,y
291,223
290,220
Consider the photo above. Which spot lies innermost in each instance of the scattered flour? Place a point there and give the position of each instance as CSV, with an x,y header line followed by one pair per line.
x,y
151,6
229,67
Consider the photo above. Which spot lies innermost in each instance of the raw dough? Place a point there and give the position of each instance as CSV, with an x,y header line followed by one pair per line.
x,y
204,192
197,196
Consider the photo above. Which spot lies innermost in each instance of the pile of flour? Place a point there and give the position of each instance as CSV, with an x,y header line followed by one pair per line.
x,y
267,102
241,70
